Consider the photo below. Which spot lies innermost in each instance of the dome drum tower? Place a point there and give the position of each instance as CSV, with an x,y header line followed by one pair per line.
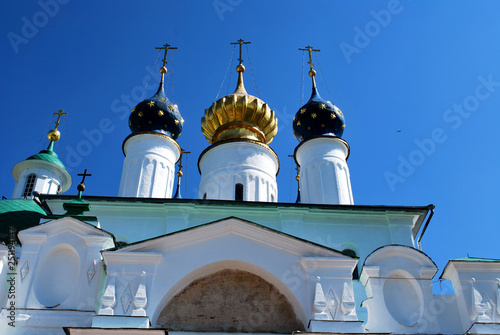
x,y
322,154
324,176
224,166
151,150
239,165
43,172
149,165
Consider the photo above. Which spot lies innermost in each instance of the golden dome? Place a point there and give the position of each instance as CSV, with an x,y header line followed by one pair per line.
x,y
239,116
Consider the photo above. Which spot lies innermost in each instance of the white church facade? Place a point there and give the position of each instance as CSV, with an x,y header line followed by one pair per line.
x,y
235,260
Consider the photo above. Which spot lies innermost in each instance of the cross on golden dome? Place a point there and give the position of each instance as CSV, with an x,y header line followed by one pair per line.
x,y
241,42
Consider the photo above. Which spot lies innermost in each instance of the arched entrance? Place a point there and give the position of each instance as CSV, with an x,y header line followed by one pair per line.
x,y
230,300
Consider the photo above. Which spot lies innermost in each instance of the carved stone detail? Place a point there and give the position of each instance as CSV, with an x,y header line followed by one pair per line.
x,y
91,271
481,304
25,270
498,296
141,299
331,304
348,305
126,299
108,298
320,306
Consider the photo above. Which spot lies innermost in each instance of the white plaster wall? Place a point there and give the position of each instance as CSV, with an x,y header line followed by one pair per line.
x,y
149,165
324,175
171,263
484,278
225,165
60,266
398,283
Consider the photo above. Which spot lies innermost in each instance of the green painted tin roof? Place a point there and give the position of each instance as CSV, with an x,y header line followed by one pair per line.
x,y
48,156
18,214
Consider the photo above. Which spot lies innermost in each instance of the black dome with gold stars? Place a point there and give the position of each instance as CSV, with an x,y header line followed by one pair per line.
x,y
157,114
318,117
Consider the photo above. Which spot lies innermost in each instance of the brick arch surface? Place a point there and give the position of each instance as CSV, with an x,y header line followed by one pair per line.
x,y
230,301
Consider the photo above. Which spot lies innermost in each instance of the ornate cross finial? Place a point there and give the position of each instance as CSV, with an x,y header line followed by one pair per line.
x,y
165,47
241,42
81,186
297,178
310,49
297,168
59,114
180,160
179,175
84,174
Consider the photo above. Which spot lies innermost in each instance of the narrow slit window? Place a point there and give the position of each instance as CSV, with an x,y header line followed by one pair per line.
x,y
30,184
238,192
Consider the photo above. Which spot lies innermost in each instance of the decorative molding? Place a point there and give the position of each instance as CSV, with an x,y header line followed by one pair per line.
x,y
427,272
108,298
331,303
340,262
320,305
131,257
481,305
348,304
140,298
368,272
25,269
222,228
498,296
126,299
26,237
91,271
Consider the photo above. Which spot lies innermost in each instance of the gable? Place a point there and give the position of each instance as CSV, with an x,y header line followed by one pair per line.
x,y
238,229
63,226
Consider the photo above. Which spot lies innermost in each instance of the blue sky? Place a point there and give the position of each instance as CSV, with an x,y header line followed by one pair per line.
x,y
417,81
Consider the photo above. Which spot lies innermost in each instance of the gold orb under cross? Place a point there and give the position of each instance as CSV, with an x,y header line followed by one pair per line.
x,y
54,135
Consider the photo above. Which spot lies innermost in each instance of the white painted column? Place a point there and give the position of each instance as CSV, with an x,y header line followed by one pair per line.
x,y
324,174
149,165
226,164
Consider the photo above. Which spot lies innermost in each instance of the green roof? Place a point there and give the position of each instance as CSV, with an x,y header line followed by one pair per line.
x,y
18,214
48,156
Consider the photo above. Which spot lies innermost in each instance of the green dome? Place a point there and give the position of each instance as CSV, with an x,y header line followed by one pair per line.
x,y
48,155
19,214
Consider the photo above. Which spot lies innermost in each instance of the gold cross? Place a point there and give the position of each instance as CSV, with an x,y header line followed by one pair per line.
x,y
310,49
59,114
165,47
241,42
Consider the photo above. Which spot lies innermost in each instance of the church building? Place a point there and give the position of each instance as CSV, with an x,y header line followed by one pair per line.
x,y
235,260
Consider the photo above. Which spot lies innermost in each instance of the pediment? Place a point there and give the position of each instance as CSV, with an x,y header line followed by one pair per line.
x,y
62,226
232,227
